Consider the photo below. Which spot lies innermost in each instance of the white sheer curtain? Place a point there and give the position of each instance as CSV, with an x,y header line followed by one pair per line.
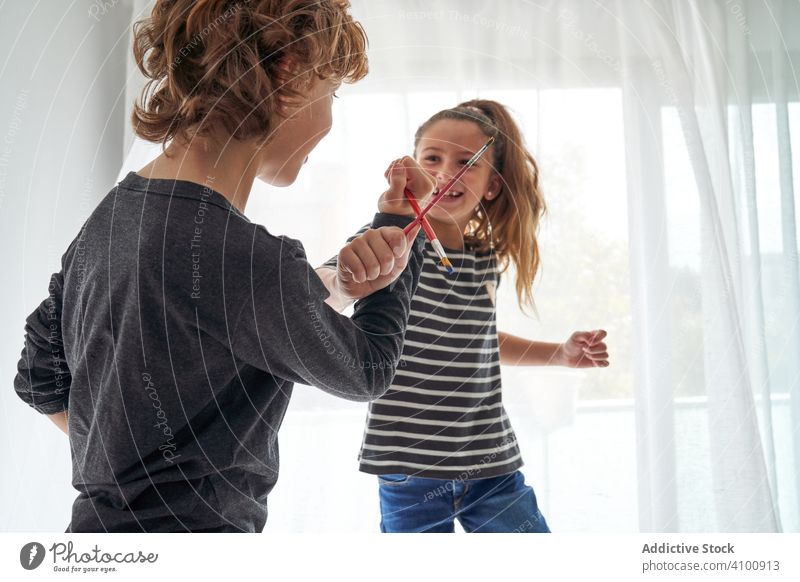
x,y
664,130
706,66
667,132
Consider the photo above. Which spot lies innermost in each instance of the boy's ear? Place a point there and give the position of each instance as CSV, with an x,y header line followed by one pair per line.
x,y
286,69
287,63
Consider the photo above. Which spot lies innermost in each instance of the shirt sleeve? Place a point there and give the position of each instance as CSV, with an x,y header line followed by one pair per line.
x,y
43,378
289,331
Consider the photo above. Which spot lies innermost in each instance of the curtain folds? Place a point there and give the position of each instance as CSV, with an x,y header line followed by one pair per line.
x,y
707,96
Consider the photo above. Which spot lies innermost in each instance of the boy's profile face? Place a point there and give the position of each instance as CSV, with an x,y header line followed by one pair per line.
x,y
298,134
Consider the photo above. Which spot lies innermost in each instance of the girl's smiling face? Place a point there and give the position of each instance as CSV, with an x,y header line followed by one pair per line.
x,y
444,148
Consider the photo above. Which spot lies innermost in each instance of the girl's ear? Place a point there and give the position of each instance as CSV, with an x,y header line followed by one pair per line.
x,y
495,186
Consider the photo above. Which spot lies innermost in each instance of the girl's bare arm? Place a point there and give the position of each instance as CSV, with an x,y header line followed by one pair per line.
x,y
517,351
583,349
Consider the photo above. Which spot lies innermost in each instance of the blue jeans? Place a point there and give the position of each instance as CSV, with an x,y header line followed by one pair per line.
x,y
502,504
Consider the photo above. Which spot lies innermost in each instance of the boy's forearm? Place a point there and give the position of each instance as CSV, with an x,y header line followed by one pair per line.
x,y
517,351
61,420
354,358
383,315
310,343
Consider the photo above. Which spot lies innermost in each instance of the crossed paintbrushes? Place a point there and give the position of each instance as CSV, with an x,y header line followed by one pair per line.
x,y
422,221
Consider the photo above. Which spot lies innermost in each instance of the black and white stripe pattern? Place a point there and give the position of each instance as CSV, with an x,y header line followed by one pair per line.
x,y
443,417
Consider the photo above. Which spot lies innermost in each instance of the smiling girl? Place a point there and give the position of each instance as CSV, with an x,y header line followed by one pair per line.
x,y
439,440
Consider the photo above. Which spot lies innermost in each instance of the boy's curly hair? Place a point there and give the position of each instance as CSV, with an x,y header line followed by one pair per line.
x,y
227,66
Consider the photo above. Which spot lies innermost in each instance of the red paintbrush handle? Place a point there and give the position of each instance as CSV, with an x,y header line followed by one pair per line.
x,y
439,195
425,225
449,185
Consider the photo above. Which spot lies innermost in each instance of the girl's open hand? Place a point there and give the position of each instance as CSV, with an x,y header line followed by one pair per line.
x,y
584,349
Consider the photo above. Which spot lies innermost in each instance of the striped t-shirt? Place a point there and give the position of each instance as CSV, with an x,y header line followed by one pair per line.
x,y
443,416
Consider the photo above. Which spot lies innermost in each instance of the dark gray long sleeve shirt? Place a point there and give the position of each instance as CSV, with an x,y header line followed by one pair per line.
x,y
173,334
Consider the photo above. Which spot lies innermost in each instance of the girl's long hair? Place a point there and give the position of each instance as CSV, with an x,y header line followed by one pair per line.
x,y
509,222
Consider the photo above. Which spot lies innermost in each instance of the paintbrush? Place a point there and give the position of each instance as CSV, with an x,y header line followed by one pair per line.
x,y
443,190
429,232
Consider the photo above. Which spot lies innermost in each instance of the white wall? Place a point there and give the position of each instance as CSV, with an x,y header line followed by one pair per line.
x,y
61,145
